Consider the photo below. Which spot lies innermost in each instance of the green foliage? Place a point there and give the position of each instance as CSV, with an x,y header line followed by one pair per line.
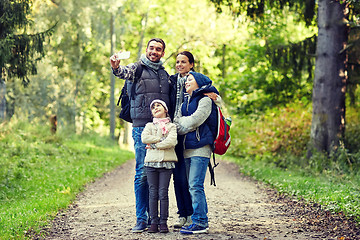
x,y
253,83
257,9
277,131
352,136
41,173
281,135
73,80
19,49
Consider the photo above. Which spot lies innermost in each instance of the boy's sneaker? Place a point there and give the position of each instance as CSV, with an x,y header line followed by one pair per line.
x,y
180,222
193,229
139,227
188,221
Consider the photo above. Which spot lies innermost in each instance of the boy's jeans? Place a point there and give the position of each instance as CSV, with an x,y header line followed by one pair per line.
x,y
140,183
196,171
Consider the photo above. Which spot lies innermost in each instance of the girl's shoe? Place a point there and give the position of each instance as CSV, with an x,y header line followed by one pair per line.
x,y
153,228
164,228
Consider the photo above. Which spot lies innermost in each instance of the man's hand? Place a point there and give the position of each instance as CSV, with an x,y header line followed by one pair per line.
x,y
115,58
114,61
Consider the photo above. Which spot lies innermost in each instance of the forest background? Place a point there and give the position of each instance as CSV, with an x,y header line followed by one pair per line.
x,y
268,97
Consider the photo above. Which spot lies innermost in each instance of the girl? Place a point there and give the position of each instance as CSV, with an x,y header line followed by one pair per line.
x,y
161,138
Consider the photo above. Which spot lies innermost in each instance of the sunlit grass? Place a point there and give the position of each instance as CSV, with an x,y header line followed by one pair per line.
x,y
41,173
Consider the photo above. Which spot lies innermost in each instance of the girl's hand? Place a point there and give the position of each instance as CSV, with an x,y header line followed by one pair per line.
x,y
150,146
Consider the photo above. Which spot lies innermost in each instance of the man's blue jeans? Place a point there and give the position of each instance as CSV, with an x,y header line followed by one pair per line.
x,y
141,187
196,171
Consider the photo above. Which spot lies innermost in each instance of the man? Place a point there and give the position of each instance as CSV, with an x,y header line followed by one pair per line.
x,y
152,84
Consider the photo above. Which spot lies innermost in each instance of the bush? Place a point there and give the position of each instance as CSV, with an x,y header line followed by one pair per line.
x,y
284,133
280,130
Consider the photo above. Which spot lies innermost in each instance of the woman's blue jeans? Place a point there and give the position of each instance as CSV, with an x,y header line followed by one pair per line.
x,y
196,168
141,187
181,186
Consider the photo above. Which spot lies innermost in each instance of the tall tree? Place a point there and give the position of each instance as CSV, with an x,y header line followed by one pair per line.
x,y
112,81
19,49
328,122
328,118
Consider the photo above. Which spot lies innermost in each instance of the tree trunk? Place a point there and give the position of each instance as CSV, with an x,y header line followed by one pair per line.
x,y
2,100
112,82
144,22
328,118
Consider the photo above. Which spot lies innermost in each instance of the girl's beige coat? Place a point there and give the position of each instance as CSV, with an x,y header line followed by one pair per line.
x,y
165,144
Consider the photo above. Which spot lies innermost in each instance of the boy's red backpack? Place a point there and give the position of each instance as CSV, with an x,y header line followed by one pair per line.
x,y
220,127
223,138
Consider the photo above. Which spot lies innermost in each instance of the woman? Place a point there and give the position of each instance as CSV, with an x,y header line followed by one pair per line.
x,y
184,64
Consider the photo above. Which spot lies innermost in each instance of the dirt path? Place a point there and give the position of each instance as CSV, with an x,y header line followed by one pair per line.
x,y
238,209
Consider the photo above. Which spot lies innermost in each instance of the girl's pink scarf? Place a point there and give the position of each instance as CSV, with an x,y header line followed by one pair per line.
x,y
162,124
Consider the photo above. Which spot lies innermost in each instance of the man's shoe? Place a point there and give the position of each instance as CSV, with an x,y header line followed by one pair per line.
x,y
188,221
180,222
153,228
193,229
139,227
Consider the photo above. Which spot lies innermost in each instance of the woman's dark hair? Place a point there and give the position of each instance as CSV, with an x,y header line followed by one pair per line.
x,y
159,40
190,57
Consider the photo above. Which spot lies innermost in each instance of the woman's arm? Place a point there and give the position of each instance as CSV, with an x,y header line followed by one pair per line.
x,y
216,98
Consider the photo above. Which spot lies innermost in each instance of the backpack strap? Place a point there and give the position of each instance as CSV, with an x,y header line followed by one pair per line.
x,y
211,170
123,91
137,76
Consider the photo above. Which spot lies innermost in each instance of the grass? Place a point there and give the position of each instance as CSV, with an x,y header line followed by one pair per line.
x,y
42,173
335,192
